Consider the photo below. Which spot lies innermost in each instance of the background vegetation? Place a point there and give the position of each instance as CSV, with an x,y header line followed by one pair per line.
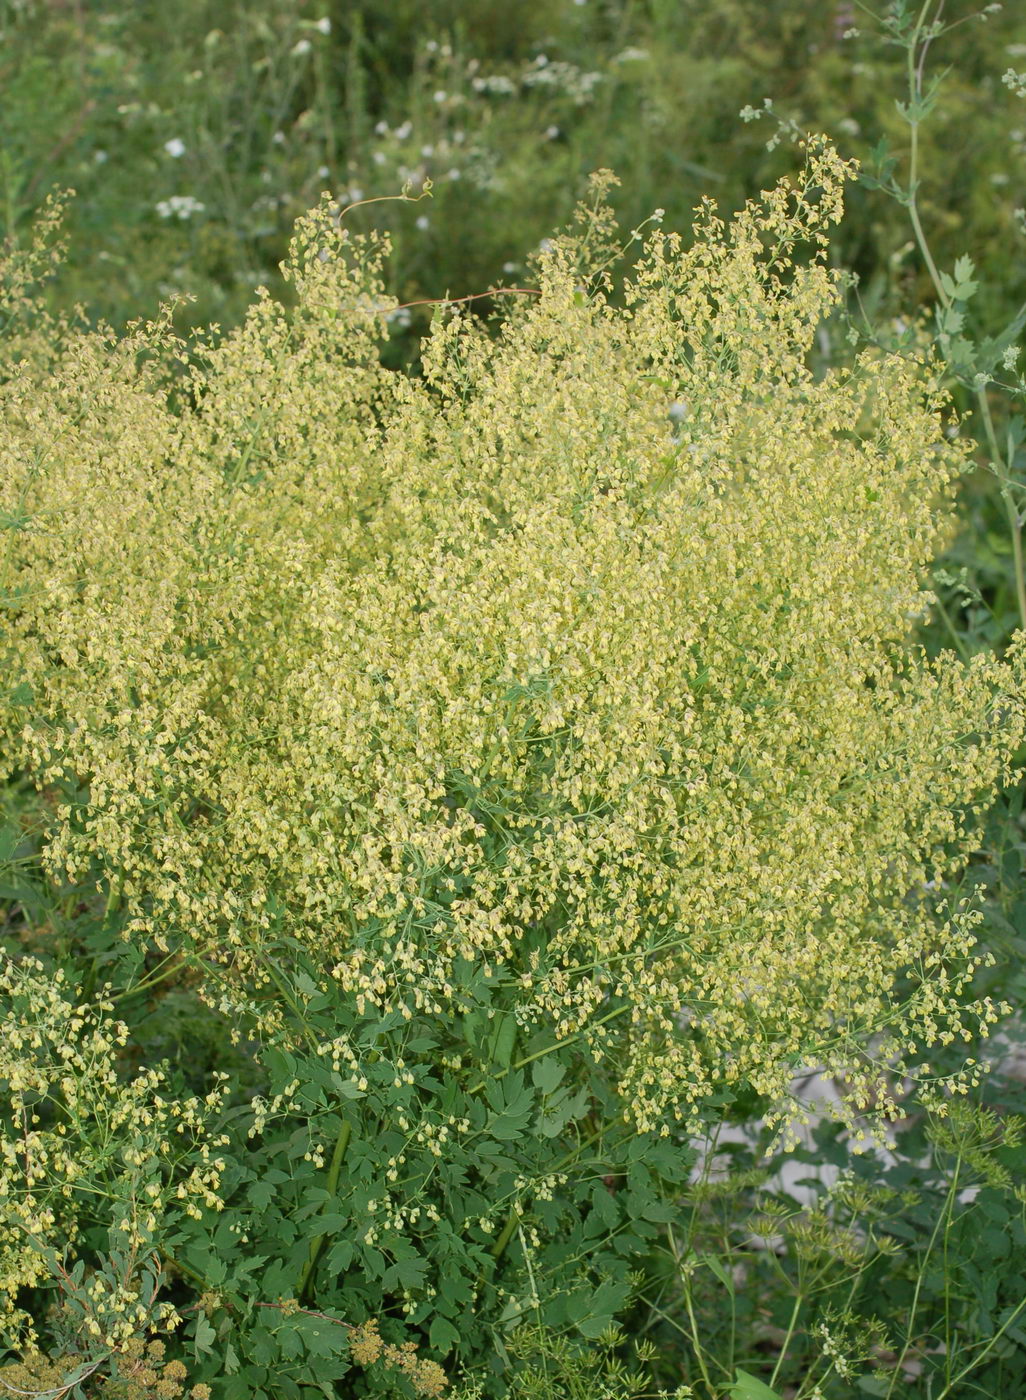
x,y
194,136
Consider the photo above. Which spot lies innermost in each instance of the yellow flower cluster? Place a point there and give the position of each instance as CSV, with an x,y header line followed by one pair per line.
x,y
585,657
138,1372
72,1131
367,1346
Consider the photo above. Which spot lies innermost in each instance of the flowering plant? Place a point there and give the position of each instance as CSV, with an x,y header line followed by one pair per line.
x,y
528,760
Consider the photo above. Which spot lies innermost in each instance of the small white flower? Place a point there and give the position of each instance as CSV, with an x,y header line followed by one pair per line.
x,y
175,147
278,138
323,26
323,172
509,267
546,245
551,132
354,194
301,47
497,83
440,95
100,157
541,60
454,174
381,129
379,157
423,222
427,150
180,206
403,132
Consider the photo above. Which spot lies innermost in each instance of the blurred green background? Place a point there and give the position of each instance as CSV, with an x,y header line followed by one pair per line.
x,y
195,133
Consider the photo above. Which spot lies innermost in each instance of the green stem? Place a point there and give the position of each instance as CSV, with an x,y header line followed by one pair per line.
x,y
960,645
1014,523
290,1000
499,1247
183,1268
976,1360
334,1170
112,899
792,1324
547,1050
148,982
944,1214
915,96
695,1338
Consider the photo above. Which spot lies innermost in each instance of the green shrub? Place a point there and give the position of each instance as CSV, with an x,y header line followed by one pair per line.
x,y
528,760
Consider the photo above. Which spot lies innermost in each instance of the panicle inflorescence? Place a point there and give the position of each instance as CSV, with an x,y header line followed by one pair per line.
x,y
586,656
74,1129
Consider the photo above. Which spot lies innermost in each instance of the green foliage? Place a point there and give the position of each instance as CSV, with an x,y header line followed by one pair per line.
x,y
521,104
897,1273
457,1214
421,1166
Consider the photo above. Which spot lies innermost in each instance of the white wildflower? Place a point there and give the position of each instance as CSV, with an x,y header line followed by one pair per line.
x,y
179,206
